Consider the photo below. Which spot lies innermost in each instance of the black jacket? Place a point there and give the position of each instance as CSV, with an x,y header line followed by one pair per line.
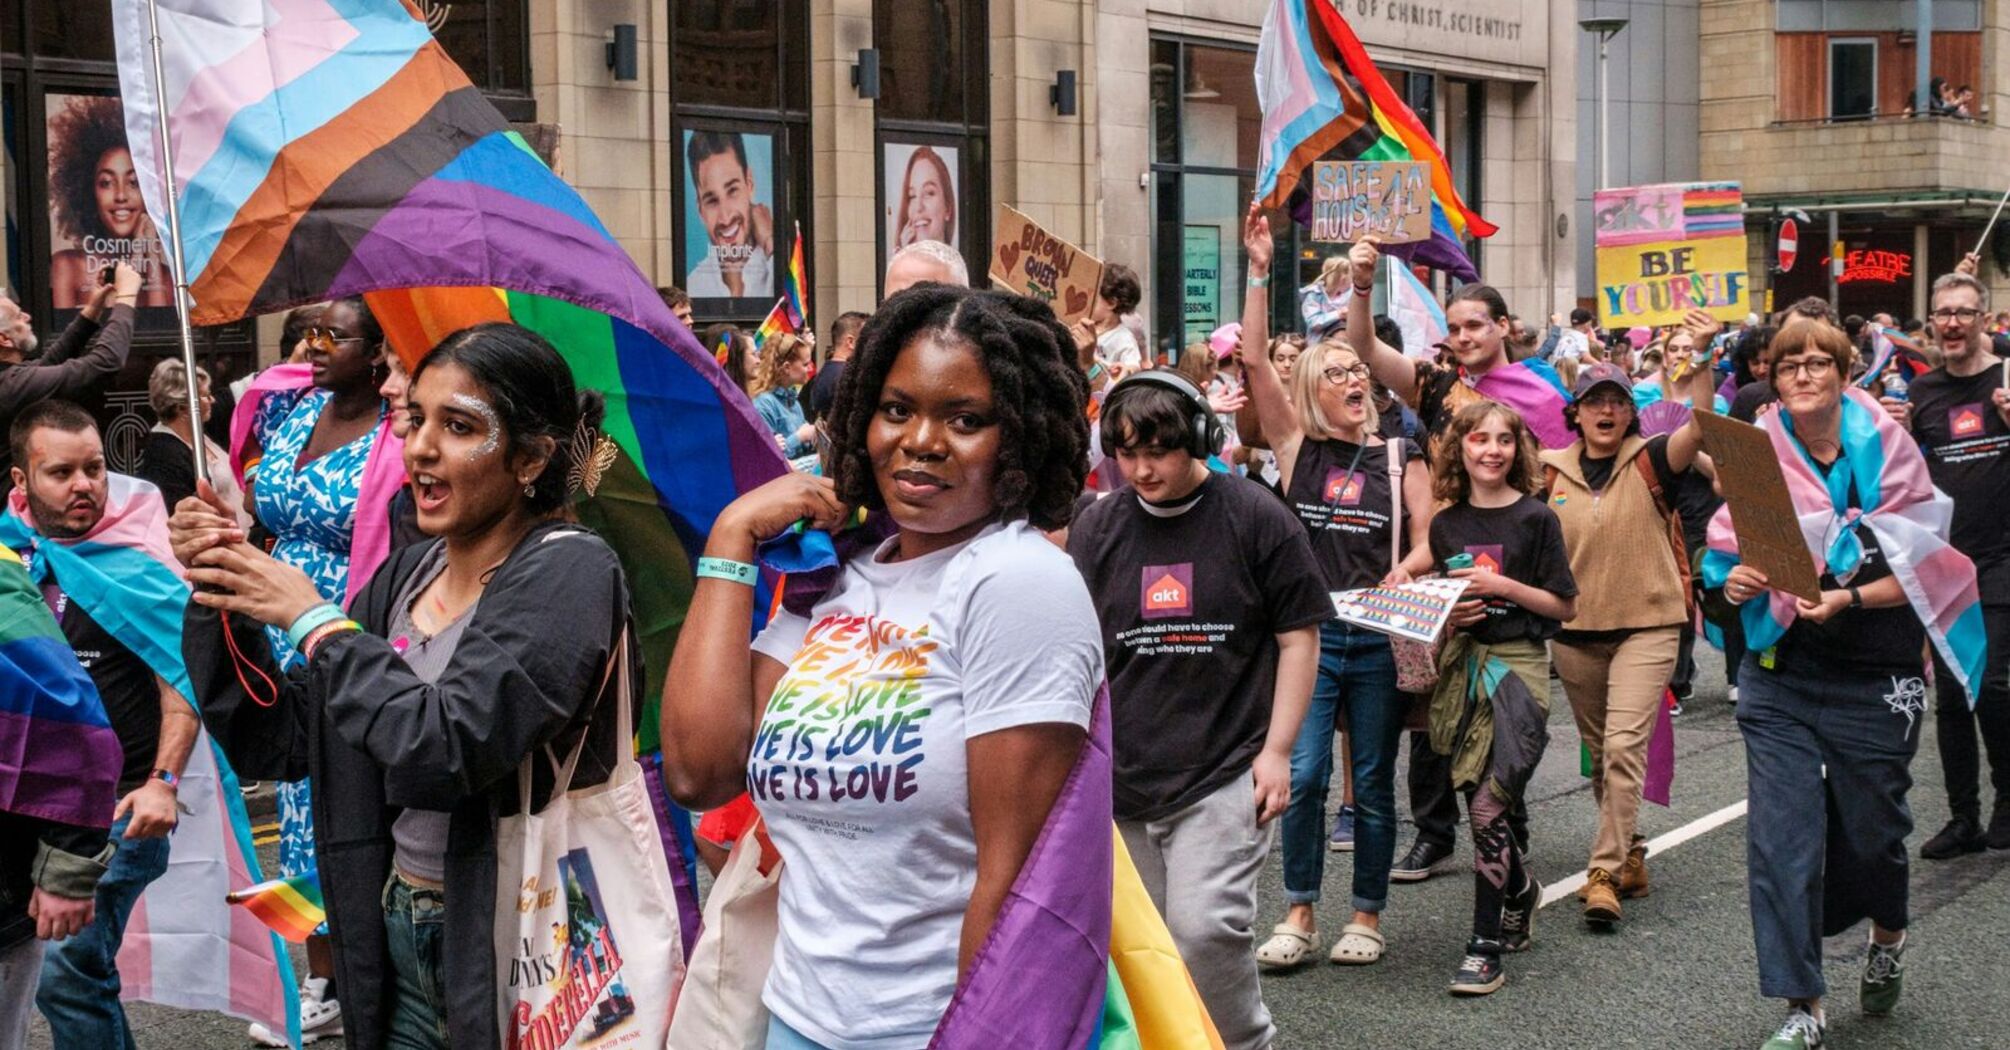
x,y
529,669
62,372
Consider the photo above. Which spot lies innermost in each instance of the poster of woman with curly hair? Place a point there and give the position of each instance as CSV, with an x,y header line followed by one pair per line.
x,y
920,196
96,214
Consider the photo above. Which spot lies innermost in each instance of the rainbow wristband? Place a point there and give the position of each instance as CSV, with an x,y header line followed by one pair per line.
x,y
324,632
326,612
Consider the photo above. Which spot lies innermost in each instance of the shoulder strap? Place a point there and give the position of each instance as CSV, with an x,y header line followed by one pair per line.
x,y
1644,462
1394,447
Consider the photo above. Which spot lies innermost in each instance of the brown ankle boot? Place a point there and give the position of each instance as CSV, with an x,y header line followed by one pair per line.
x,y
1633,881
1601,900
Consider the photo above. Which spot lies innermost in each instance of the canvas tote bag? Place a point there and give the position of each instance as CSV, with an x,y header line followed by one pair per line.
x,y
588,949
720,1008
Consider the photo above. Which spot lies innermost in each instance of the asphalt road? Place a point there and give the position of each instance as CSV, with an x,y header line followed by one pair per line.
x,y
1678,973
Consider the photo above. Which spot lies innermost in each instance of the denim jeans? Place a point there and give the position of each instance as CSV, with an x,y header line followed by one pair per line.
x,y
1357,675
79,994
414,921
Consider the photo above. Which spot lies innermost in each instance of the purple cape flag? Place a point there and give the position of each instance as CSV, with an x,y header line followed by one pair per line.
x,y
1537,394
1039,979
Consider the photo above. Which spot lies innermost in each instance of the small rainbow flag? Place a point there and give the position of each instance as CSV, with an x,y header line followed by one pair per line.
x,y
796,285
776,323
1713,212
291,907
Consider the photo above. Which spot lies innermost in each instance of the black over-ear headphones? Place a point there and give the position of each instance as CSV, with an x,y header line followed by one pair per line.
x,y
1205,434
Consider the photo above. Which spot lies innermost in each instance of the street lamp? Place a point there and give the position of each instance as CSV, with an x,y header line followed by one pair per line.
x,y
1606,29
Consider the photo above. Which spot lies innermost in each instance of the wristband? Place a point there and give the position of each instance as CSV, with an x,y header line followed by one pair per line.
x,y
166,777
324,632
729,570
1365,289
1855,598
1260,282
305,624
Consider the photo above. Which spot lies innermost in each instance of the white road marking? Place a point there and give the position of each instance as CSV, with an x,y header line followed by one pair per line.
x,y
1563,888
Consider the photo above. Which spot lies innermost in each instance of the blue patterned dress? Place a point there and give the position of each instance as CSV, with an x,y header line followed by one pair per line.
x,y
311,510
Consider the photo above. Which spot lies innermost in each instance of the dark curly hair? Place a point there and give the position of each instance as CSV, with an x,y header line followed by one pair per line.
x,y
1040,396
533,392
86,129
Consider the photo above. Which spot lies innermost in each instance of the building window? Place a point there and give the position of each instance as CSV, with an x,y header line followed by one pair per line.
x,y
739,97
1876,16
933,117
491,42
1852,79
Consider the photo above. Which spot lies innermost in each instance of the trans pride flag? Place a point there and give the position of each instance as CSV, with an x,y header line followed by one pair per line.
x,y
59,758
185,945
326,148
1909,517
1323,99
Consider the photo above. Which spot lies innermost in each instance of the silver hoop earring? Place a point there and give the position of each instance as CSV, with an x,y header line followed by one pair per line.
x,y
529,489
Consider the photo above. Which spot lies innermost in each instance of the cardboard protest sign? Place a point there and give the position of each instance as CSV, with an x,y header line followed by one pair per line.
x,y
1031,261
1417,611
1762,513
1386,199
1668,249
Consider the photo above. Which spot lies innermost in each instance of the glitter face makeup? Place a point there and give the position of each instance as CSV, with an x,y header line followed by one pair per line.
x,y
471,403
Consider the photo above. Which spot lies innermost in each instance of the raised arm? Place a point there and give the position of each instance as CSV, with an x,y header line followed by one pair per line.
x,y
1687,440
1278,419
1386,363
716,687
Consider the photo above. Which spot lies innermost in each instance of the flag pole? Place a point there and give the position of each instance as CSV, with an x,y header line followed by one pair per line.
x,y
1992,222
181,300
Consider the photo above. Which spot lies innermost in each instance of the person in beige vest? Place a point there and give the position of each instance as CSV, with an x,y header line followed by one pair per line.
x,y
1617,655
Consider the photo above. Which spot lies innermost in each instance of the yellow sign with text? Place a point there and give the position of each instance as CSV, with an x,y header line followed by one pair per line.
x,y
1666,250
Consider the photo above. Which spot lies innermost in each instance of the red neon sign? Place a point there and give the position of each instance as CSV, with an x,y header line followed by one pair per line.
x,y
1880,266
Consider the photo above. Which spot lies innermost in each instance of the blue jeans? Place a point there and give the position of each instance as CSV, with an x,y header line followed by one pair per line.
x,y
1357,675
414,921
782,1037
79,994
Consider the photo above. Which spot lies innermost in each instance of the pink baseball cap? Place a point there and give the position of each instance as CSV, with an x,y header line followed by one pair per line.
x,y
1223,341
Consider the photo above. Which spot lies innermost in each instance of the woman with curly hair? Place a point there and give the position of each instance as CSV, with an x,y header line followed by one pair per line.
x,y
927,201
94,194
911,733
777,390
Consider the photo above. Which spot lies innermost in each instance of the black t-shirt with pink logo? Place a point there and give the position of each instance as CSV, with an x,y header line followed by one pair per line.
x,y
1340,493
1522,541
1191,602
1967,447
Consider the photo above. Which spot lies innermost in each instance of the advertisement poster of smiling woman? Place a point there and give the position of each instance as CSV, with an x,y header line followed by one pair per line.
x,y
96,216
920,201
729,218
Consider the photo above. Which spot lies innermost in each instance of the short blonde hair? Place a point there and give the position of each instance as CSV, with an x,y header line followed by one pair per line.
x,y
1307,376
167,388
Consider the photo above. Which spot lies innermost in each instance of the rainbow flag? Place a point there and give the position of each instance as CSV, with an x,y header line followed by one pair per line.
x,y
779,321
291,907
59,758
1323,99
1902,509
184,945
796,285
326,148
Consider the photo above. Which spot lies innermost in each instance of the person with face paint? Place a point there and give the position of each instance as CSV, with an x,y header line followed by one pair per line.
x,y
1365,508
320,461
961,422
95,191
413,713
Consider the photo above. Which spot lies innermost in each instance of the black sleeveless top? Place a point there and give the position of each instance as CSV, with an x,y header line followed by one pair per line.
x,y
1341,494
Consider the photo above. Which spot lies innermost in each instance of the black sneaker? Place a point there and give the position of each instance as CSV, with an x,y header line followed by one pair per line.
x,y
1518,917
1424,860
1999,827
1959,837
1480,972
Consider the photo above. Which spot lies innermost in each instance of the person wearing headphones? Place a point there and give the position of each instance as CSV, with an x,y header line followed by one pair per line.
x,y
1210,602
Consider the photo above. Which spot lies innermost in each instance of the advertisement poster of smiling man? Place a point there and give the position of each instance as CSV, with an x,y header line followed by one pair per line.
x,y
729,224
96,215
919,200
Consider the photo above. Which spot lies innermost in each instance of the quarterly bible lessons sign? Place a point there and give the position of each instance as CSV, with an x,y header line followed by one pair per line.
x,y
1665,250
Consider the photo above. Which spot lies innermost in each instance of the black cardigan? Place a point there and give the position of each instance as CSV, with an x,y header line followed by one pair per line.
x,y
529,668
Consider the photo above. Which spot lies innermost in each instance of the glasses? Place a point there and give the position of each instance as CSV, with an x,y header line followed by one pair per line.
x,y
318,336
1339,374
1606,402
1946,314
1813,368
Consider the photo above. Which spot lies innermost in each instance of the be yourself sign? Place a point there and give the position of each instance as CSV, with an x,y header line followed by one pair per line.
x,y
1666,250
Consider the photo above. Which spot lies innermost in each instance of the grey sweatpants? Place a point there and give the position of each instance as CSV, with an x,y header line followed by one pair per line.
x,y
1200,866
1829,760
20,971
